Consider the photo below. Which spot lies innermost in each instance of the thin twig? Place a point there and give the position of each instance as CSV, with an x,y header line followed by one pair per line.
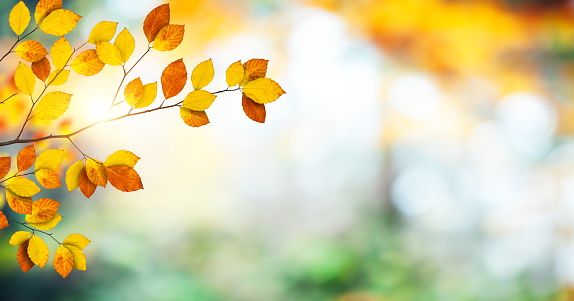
x,y
34,230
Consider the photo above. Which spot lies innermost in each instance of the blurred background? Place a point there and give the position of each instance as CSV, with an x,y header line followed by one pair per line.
x,y
423,151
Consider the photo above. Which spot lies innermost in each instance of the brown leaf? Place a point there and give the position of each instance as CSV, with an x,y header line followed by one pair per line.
x,y
173,78
124,178
86,187
254,69
48,178
43,210
155,21
26,157
87,63
255,111
31,51
23,258
169,37
22,205
63,261
5,163
41,69
193,118
96,172
3,221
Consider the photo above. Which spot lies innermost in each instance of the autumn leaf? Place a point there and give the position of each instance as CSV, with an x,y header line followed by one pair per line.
x,y
59,22
234,74
18,204
102,32
126,44
133,92
48,178
43,210
149,95
86,187
44,7
121,157
169,37
76,240
255,111
41,69
22,187
3,221
263,90
63,261
202,74
96,172
26,157
38,251
19,18
5,163
24,79
19,237
108,53
73,174
58,77
79,257
61,53
87,63
254,69
23,259
52,105
124,178
155,21
49,159
193,118
49,225
30,51
173,78
198,100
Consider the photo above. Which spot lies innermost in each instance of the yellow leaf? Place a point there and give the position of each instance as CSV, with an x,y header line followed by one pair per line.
x,y
254,69
3,221
56,79
48,178
43,210
255,111
96,172
59,22
102,32
79,258
121,157
202,74
52,105
5,163
133,92
234,74
86,187
49,225
149,95
87,63
30,51
126,44
22,187
76,240
73,174
24,79
41,69
108,53
169,37
124,178
19,237
63,261
38,251
19,204
23,259
26,157
49,159
61,53
44,7
19,18
263,90
156,20
193,118
198,100
173,78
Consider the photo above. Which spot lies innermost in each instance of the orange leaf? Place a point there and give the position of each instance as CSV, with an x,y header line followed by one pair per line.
x,y
31,51
48,178
96,172
254,69
155,21
86,187
173,78
63,261
255,111
5,163
169,37
23,259
193,118
26,157
43,210
44,7
19,204
41,69
134,91
124,178
87,63
3,221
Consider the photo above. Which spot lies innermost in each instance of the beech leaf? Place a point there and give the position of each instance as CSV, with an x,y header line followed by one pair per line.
x,y
24,79
155,20
126,44
193,118
87,63
61,53
202,74
26,157
19,18
173,78
104,31
41,69
30,51
198,100
5,163
169,37
38,251
59,22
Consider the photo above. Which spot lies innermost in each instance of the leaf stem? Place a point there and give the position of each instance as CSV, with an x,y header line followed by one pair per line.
x,y
17,41
34,230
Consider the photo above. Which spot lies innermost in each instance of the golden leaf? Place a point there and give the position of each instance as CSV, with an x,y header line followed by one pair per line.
x,y
19,18
47,225
3,221
30,51
79,258
48,178
87,63
22,187
49,159
19,238
193,118
149,95
202,74
59,22
63,261
58,77
126,44
43,210
38,251
24,79
263,90
133,92
102,32
86,187
96,172
23,259
234,74
52,105
19,204
108,53
173,78
73,174
44,7
26,157
41,69
5,163
169,37
155,21
124,178
76,240
61,53
198,100
255,111
121,157
254,69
